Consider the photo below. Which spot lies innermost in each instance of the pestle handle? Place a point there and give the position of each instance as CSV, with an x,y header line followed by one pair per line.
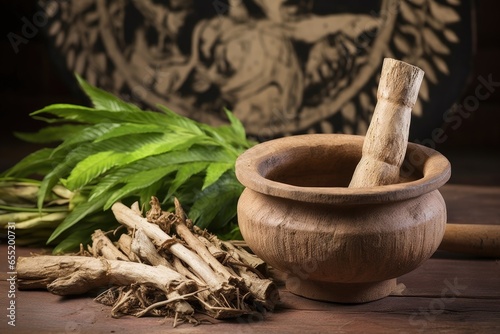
x,y
474,239
386,140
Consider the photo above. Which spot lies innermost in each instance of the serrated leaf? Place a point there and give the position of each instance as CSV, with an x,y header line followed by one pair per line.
x,y
58,108
184,173
70,240
214,172
196,153
120,175
152,190
121,152
128,129
50,134
124,151
212,200
137,182
73,241
87,134
181,122
236,125
174,159
92,166
60,170
227,214
104,100
95,116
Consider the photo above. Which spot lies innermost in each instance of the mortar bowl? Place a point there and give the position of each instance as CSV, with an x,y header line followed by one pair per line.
x,y
336,243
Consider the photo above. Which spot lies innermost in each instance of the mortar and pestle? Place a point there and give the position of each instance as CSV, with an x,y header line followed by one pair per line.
x,y
346,215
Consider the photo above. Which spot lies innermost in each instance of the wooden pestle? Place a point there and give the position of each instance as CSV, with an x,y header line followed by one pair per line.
x,y
386,140
473,239
384,149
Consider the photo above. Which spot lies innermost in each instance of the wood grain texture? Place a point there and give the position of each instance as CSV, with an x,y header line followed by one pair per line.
x,y
475,239
450,293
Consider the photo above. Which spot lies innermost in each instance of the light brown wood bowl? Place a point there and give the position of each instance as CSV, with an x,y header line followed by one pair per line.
x,y
337,243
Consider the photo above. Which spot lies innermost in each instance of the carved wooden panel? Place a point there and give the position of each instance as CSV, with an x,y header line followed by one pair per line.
x,y
282,66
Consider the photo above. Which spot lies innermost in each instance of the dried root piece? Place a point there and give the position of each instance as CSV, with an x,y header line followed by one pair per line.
x,y
102,246
70,275
125,245
144,248
163,266
129,218
179,306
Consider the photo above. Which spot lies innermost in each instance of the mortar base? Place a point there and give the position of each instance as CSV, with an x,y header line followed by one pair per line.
x,y
341,292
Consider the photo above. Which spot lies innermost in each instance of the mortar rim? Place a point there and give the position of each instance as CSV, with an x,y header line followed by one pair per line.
x,y
436,171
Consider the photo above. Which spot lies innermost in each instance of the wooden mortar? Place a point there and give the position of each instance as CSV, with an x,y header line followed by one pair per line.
x,y
342,238
335,242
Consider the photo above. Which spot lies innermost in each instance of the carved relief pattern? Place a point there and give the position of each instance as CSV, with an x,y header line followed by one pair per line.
x,y
282,66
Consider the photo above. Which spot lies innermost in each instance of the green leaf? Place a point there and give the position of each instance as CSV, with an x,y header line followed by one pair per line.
x,y
81,114
70,240
92,166
61,170
214,172
187,163
33,163
185,171
116,152
233,234
124,151
87,134
214,199
85,165
180,121
152,190
128,129
236,126
104,100
50,134
137,182
80,212
73,241
227,213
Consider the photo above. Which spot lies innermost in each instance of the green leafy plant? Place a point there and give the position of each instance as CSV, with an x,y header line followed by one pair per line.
x,y
114,151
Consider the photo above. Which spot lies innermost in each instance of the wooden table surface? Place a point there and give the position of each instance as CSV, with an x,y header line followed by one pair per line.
x,y
449,293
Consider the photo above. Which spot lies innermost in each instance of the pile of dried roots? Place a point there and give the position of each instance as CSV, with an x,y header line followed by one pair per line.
x,y
162,266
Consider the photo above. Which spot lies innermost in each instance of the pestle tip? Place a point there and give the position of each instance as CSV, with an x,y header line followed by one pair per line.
x,y
399,82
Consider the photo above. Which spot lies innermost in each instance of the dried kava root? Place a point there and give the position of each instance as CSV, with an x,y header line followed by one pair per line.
x,y
162,266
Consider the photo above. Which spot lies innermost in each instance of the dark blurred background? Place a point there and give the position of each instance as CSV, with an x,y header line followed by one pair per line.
x,y
29,80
